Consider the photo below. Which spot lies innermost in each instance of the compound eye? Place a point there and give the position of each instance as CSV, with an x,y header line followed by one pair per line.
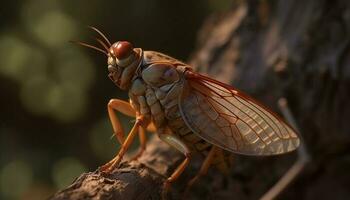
x,y
122,49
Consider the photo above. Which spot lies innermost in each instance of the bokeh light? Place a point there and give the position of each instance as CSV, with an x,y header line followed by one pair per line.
x,y
62,91
15,178
66,103
34,94
66,170
50,87
48,23
19,60
49,29
73,69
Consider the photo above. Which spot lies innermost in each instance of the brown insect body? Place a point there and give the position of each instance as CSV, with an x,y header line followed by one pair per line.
x,y
163,80
154,93
191,112
156,87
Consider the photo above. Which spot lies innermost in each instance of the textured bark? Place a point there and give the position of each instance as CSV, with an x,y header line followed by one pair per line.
x,y
140,179
270,49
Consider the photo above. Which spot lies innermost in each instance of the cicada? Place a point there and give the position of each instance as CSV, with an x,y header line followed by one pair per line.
x,y
189,111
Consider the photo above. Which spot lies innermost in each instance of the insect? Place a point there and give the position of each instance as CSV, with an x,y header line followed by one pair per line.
x,y
189,111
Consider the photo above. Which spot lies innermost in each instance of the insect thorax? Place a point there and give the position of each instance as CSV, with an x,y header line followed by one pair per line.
x,y
154,92
157,100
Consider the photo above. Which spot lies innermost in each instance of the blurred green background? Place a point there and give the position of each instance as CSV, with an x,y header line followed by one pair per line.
x,y
53,121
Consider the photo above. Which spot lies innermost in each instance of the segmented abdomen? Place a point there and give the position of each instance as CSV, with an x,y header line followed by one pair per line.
x,y
222,159
168,96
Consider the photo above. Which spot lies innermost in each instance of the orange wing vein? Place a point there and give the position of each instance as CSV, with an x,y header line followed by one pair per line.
x,y
232,120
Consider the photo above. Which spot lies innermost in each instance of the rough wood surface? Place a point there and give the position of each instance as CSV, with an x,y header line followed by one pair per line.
x,y
140,179
296,49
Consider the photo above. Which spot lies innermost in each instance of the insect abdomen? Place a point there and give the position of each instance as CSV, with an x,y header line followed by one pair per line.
x,y
162,101
222,160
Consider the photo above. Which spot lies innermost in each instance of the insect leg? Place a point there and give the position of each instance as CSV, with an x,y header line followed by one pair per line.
x,y
123,107
175,142
116,160
204,168
126,108
298,166
142,137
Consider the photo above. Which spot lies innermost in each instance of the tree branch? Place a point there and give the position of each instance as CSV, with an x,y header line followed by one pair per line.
x,y
140,179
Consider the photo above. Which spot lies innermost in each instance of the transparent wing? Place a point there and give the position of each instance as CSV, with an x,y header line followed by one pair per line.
x,y
233,121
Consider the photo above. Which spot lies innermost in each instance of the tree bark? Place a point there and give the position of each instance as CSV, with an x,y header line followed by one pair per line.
x,y
299,50
141,179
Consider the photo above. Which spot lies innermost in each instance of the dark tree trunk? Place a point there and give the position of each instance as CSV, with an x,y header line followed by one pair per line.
x,y
299,50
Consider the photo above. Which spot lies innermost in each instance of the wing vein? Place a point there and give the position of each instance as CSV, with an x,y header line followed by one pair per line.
x,y
263,119
217,124
232,120
273,121
251,128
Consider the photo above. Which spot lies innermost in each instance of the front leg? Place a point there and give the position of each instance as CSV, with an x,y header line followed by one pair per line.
x,y
125,146
125,108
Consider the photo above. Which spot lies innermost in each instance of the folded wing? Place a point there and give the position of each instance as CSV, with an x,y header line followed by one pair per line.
x,y
232,120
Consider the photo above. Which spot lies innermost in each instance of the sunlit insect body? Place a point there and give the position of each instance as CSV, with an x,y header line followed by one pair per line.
x,y
189,111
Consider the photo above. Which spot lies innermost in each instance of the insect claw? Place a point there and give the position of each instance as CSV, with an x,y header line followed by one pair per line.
x,y
104,168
